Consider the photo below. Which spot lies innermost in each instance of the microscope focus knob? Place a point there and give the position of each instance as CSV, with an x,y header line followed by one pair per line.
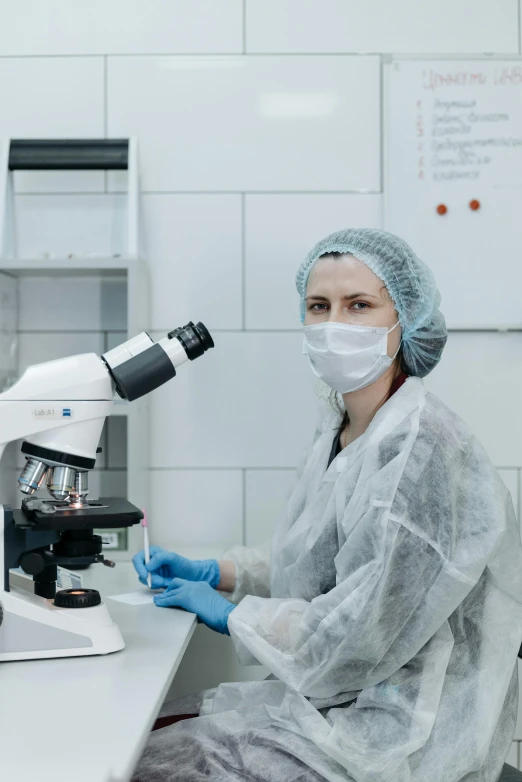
x,y
77,598
32,563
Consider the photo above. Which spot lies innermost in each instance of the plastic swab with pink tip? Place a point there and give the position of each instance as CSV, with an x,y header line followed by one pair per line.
x,y
146,545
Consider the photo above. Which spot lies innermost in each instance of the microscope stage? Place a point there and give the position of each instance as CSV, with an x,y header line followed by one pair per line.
x,y
105,513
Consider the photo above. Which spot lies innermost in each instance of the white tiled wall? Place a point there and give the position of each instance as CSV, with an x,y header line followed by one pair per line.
x,y
404,26
266,495
260,131
198,507
47,97
51,97
194,246
247,403
121,27
491,404
239,123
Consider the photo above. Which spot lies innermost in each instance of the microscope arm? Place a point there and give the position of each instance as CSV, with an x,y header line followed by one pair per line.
x,y
61,405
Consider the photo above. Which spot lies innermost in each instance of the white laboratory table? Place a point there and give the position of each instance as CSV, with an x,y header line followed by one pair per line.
x,y
87,719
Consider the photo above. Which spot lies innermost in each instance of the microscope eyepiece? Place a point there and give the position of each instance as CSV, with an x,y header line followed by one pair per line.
x,y
140,365
204,335
195,339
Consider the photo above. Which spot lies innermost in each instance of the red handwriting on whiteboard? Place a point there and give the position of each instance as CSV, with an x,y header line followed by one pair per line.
x,y
510,75
432,80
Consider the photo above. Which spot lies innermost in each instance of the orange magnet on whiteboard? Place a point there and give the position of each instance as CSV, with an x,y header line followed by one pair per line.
x,y
474,204
442,209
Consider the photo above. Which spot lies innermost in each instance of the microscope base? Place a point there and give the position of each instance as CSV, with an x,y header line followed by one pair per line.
x,y
33,628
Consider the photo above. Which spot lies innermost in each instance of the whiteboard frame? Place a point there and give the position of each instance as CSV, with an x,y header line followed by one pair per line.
x,y
387,61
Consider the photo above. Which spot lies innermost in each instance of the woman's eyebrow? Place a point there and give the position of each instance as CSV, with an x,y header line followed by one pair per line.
x,y
348,297
356,296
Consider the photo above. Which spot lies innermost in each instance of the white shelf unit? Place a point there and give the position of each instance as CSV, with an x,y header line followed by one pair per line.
x,y
123,271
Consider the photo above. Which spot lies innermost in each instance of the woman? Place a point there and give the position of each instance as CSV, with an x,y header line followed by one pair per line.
x,y
390,616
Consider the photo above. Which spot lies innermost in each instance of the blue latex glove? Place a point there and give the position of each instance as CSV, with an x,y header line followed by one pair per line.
x,y
166,565
199,598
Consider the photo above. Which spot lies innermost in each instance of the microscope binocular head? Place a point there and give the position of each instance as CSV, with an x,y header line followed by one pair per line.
x,y
132,369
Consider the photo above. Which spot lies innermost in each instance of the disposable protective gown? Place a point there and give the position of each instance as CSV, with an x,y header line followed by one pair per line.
x,y
390,617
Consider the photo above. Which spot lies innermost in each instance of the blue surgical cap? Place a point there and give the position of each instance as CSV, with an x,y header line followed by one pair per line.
x,y
409,282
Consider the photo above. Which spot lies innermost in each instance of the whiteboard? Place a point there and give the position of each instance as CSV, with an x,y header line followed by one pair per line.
x,y
453,135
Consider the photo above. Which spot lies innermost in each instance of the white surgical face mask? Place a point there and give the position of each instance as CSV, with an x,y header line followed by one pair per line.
x,y
346,357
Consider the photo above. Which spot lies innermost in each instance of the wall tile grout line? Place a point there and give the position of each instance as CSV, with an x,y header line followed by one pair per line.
x,y
421,55
100,332
67,193
46,56
519,29
105,96
296,330
199,192
222,469
243,262
381,125
105,117
425,55
243,506
519,498
223,54
244,30
116,54
264,468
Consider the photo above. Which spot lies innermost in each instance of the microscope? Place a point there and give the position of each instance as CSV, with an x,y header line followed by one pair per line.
x,y
59,408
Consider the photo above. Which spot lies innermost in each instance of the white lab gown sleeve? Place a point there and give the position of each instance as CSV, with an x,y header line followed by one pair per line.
x,y
413,543
252,572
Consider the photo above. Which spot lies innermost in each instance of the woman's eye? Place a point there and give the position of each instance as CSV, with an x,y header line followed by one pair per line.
x,y
360,305
318,307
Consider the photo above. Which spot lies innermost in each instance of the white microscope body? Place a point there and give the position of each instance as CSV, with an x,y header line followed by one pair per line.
x,y
59,408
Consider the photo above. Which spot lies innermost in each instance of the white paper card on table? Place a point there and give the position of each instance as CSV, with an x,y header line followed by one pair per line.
x,y
135,598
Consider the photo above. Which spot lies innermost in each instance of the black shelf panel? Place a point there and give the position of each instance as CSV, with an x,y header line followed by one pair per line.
x,y
68,154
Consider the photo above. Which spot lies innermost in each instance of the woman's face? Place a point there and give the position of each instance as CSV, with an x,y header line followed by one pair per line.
x,y
345,290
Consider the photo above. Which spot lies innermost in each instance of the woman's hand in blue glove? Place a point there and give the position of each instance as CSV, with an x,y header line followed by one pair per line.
x,y
199,598
166,565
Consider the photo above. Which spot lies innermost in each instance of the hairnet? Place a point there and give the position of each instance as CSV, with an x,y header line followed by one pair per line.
x,y
409,282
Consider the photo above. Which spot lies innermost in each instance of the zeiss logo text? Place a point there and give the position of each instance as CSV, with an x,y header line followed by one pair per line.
x,y
53,413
